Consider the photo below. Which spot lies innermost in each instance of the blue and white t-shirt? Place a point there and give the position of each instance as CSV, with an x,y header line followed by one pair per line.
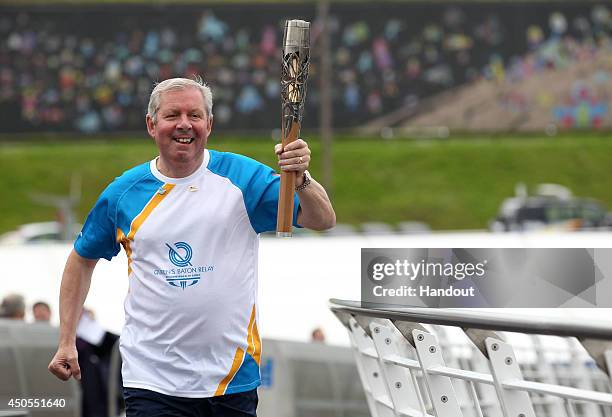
x,y
192,244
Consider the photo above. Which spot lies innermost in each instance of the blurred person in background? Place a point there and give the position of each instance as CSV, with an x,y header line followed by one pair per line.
x,y
189,221
41,312
317,335
95,349
13,307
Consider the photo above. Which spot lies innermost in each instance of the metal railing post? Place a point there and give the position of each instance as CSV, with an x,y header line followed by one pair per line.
x,y
440,388
380,403
505,368
403,392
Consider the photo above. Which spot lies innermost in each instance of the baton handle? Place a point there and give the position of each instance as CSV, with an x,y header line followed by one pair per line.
x,y
284,222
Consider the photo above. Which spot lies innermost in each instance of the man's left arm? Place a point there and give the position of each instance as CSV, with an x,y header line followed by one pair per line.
x,y
316,211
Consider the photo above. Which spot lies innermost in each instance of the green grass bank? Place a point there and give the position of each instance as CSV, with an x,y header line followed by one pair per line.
x,y
449,184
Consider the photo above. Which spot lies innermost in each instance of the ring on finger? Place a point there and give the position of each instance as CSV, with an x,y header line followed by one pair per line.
x,y
300,160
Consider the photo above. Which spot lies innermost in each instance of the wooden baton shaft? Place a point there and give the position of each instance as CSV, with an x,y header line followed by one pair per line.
x,y
284,222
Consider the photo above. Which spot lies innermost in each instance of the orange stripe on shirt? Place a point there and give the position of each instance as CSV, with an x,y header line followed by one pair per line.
x,y
154,202
257,344
121,238
238,358
253,340
138,221
253,349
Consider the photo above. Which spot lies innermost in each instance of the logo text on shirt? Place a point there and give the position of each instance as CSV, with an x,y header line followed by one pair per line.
x,y
185,274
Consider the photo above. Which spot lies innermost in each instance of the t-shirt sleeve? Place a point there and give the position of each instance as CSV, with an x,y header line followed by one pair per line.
x,y
98,236
262,200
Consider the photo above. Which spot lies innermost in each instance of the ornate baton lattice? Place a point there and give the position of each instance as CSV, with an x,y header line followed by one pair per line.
x,y
294,73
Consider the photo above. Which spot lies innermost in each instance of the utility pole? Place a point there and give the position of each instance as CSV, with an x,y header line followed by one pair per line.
x,y
326,104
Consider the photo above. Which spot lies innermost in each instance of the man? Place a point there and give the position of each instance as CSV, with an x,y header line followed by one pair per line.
x,y
13,307
189,222
317,335
41,312
95,348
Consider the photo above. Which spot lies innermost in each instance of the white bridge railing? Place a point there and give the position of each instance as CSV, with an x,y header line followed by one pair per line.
x,y
412,365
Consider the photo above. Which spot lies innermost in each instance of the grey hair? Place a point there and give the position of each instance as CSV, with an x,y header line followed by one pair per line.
x,y
13,306
179,84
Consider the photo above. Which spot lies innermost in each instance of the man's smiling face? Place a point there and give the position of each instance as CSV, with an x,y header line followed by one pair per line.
x,y
181,130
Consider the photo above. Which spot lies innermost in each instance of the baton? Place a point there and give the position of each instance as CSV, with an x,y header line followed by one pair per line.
x,y
294,72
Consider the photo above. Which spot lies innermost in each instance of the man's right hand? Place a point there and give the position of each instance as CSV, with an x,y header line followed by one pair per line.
x,y
65,364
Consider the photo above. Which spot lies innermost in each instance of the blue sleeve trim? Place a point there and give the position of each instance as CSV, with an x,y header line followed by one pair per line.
x,y
259,185
98,238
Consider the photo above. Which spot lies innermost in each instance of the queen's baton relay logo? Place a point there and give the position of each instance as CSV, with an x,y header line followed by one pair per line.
x,y
185,274
183,259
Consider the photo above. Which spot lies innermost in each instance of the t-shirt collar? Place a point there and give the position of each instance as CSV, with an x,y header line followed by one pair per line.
x,y
196,173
